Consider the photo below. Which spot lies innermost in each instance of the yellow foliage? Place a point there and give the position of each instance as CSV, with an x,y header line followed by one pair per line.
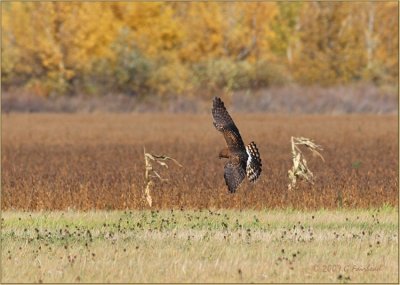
x,y
163,46
171,78
57,41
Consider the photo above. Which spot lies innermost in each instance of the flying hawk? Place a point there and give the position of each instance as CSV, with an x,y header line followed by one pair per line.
x,y
242,160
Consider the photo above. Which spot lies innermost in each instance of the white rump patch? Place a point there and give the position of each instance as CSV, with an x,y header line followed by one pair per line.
x,y
248,157
253,164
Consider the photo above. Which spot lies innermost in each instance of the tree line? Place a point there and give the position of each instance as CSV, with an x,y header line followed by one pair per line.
x,y
55,48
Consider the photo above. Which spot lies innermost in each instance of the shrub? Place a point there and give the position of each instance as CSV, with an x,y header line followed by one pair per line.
x,y
267,73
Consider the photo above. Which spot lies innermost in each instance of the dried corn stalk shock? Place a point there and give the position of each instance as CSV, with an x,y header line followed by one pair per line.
x,y
151,173
300,169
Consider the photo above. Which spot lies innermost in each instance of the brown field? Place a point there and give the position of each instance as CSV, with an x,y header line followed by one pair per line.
x,y
95,161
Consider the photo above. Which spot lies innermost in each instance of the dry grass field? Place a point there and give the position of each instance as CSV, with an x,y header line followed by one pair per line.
x,y
74,209
201,246
95,161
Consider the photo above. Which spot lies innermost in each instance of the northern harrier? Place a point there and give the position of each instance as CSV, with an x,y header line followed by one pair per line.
x,y
242,160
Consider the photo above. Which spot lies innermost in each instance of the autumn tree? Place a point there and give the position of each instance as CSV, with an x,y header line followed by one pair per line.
x,y
195,47
55,42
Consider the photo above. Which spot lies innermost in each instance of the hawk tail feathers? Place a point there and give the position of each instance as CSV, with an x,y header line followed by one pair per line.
x,y
253,164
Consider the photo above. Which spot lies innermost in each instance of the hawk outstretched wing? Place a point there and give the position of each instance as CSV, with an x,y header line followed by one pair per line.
x,y
243,160
234,174
224,123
